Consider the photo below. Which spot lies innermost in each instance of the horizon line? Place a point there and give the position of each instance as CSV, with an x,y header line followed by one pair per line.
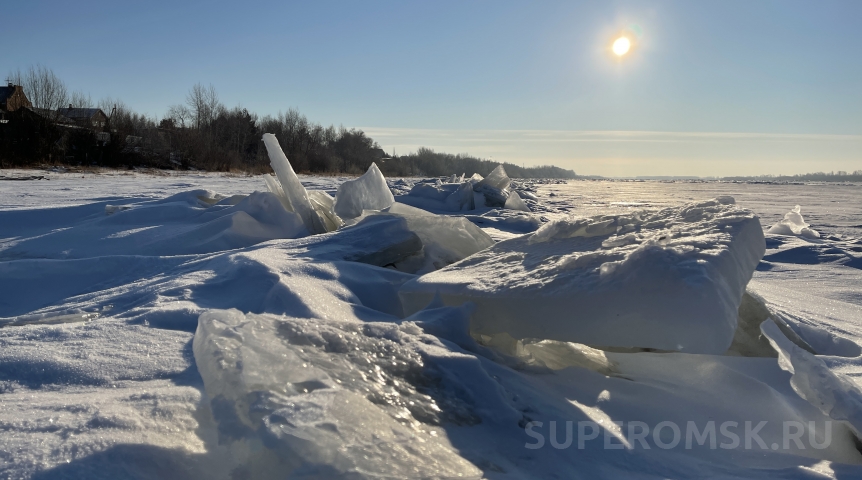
x,y
603,135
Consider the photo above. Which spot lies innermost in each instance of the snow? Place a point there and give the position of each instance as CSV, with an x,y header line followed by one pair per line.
x,y
148,331
670,280
832,393
794,224
368,192
197,221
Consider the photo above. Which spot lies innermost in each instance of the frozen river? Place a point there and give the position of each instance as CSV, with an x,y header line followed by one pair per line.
x,y
152,326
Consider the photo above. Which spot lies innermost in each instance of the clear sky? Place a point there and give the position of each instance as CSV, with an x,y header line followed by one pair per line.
x,y
718,87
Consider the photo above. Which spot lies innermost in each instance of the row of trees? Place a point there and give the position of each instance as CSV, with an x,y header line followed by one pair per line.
x,y
839,176
202,133
427,162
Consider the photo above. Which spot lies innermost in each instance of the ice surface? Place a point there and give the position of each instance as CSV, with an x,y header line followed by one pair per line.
x,y
514,202
119,396
292,188
793,224
671,279
368,192
444,240
287,394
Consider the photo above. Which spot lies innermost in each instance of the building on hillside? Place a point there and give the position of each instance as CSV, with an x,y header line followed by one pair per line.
x,y
12,98
85,117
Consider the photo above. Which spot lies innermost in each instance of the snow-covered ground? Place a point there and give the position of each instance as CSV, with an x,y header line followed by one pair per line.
x,y
161,326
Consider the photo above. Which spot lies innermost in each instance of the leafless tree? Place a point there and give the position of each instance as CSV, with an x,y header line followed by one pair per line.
x,y
42,87
204,105
180,114
79,99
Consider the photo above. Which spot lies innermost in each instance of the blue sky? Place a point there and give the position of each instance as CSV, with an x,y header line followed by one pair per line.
x,y
710,88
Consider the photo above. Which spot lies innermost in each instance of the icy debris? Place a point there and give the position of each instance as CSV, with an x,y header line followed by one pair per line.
x,y
323,204
461,199
288,394
445,240
458,195
275,188
834,394
495,187
793,224
671,279
368,192
292,190
514,202
400,236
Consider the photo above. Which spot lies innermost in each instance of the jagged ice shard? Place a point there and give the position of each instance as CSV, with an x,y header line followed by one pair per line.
x,y
669,280
495,187
368,192
292,189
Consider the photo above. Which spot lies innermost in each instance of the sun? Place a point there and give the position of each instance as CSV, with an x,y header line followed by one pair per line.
x,y
622,46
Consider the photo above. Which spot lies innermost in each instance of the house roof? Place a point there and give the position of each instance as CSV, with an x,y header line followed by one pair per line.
x,y
79,113
55,116
5,92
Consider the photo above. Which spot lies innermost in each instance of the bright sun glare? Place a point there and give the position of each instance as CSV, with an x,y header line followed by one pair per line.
x,y
621,46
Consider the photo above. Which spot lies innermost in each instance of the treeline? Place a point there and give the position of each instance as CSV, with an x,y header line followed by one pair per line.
x,y
839,176
428,163
202,133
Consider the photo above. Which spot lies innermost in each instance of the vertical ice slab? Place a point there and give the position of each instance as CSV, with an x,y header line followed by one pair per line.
x,y
368,192
671,279
293,190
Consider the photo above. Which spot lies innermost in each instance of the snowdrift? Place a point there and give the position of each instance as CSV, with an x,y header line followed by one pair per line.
x,y
670,280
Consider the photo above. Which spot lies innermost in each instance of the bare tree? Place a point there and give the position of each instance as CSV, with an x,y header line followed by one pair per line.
x,y
204,105
42,87
79,99
180,114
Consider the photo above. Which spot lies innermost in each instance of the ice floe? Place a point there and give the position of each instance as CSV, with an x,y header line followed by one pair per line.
x,y
670,280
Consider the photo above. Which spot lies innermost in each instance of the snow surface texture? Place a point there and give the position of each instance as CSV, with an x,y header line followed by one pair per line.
x,y
793,224
669,280
119,387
